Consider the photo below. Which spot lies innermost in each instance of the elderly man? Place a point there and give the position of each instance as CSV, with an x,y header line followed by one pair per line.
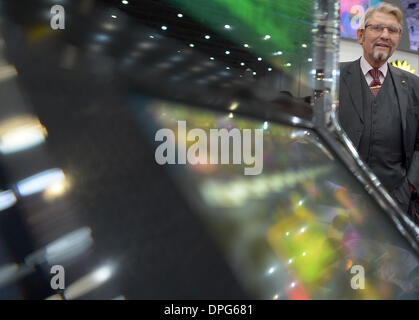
x,y
379,106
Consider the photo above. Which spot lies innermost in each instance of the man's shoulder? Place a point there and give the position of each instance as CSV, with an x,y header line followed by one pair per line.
x,y
412,78
344,66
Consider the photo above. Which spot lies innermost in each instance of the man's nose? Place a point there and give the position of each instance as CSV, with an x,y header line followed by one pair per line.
x,y
385,34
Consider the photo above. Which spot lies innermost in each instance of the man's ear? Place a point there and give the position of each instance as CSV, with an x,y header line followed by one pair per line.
x,y
360,36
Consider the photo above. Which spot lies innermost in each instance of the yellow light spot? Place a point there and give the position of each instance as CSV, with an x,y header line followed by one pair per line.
x,y
403,65
56,190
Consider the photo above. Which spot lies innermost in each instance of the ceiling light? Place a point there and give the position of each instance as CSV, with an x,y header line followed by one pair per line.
x,y
246,45
259,59
124,1
114,16
267,37
163,27
211,58
191,45
304,45
207,37
179,15
227,52
227,26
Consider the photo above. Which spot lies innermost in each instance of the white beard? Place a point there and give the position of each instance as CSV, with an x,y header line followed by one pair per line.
x,y
380,55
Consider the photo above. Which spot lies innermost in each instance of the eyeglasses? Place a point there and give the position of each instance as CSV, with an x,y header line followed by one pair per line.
x,y
379,28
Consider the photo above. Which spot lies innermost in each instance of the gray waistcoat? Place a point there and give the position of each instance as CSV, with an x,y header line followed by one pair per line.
x,y
381,144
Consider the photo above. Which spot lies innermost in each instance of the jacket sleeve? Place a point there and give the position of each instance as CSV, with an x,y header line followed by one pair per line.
x,y
413,172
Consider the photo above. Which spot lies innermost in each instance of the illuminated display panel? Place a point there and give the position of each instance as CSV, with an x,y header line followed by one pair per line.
x,y
411,11
351,12
296,230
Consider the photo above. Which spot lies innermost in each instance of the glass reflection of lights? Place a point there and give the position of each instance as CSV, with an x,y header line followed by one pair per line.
x,y
227,26
39,182
176,58
277,53
21,133
56,190
287,234
304,45
233,106
228,68
265,125
292,284
269,69
114,16
290,261
309,59
303,229
211,58
267,37
313,71
7,199
102,274
275,297
69,246
254,73
295,120
259,59
152,37
207,37
102,37
179,15
227,52
231,115
246,45
163,27
88,283
124,1
304,254
191,45
242,63
288,64
271,270
7,71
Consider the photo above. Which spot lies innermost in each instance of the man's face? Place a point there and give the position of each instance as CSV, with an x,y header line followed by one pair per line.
x,y
378,46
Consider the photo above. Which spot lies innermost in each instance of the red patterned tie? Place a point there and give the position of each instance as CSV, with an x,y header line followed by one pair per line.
x,y
375,84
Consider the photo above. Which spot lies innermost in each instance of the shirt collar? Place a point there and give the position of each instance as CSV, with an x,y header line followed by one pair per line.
x,y
366,67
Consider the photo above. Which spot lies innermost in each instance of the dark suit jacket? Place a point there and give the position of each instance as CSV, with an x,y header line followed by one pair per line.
x,y
351,111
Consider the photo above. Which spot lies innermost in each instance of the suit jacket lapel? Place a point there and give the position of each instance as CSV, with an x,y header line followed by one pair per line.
x,y
352,80
402,91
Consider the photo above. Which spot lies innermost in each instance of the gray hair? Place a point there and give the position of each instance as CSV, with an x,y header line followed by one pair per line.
x,y
384,7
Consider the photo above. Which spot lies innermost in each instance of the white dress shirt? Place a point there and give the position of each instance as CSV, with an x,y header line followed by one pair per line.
x,y
366,67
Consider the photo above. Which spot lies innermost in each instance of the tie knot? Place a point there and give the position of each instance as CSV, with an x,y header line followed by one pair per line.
x,y
375,73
